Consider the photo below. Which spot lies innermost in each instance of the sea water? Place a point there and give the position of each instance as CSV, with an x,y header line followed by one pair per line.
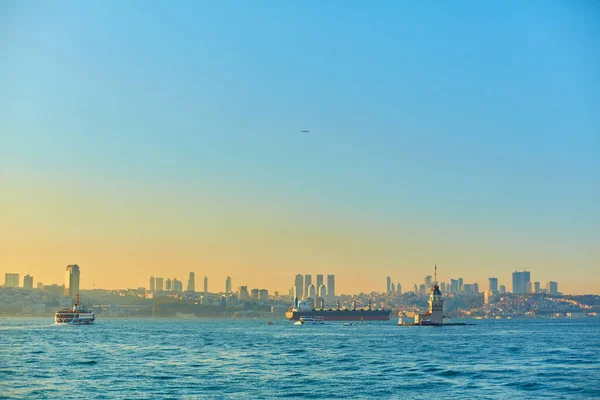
x,y
239,359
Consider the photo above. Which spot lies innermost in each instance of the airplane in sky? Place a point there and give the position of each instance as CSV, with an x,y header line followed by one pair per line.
x,y
304,131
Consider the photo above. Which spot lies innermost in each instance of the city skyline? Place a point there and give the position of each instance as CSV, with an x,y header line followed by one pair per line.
x,y
466,136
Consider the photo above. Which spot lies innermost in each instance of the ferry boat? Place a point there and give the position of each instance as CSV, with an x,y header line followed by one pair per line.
x,y
77,315
310,321
304,309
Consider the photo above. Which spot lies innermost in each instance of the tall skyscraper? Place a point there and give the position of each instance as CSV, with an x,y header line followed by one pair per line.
x,y
312,291
319,281
299,285
169,285
28,282
453,286
307,283
228,285
460,284
520,280
331,287
206,285
399,288
72,280
552,287
152,284
493,287
11,280
159,284
476,288
393,289
191,286
388,286
443,287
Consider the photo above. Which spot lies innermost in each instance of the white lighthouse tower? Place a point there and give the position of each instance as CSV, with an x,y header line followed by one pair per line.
x,y
435,314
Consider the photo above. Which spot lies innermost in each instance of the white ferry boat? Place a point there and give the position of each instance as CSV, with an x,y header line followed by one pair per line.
x,y
310,321
77,315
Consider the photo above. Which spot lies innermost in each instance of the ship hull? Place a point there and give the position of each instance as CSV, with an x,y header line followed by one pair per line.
x,y
342,315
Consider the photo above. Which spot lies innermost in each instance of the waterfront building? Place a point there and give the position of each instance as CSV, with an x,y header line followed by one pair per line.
x,y
205,285
11,280
319,281
552,287
159,284
520,280
191,286
493,286
307,283
435,314
331,287
228,285
72,280
152,284
299,285
28,282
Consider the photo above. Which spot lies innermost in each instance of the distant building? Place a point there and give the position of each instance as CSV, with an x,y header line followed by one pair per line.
x,y
177,286
228,285
453,286
152,284
319,281
536,287
307,283
263,295
399,288
28,282
243,293
322,291
169,285
502,289
422,289
11,280
520,280
331,287
159,284
206,285
393,289
388,286
312,291
191,286
468,289
254,294
299,285
460,284
428,282
493,286
476,288
552,287
443,287
72,280
487,294
40,286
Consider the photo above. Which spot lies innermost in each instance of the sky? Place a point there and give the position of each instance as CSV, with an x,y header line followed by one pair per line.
x,y
155,138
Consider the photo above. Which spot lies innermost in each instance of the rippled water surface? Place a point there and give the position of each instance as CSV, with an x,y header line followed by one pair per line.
x,y
231,359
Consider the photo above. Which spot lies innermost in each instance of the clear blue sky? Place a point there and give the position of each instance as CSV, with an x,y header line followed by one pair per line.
x,y
475,119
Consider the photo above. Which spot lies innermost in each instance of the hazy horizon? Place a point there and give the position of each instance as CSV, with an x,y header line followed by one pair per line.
x,y
141,139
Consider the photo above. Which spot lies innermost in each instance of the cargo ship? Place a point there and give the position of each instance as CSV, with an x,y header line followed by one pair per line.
x,y
303,309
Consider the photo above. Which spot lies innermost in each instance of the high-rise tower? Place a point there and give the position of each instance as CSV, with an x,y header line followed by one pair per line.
x,y
191,286
72,280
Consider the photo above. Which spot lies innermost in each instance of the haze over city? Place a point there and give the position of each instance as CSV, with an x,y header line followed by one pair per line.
x,y
141,151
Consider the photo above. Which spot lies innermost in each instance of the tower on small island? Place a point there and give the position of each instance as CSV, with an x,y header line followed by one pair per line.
x,y
435,314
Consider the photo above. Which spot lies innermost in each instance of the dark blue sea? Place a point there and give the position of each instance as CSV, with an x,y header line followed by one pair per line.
x,y
247,359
